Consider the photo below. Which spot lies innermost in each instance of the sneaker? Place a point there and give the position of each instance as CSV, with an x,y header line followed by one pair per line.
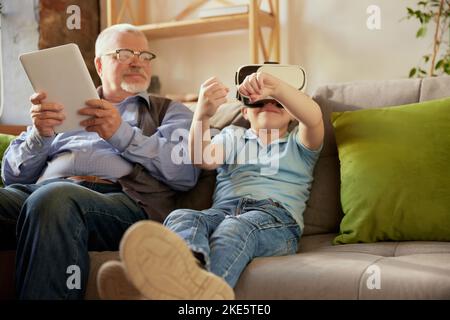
x,y
113,284
162,267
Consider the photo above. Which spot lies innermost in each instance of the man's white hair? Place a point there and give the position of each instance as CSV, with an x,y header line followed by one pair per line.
x,y
103,39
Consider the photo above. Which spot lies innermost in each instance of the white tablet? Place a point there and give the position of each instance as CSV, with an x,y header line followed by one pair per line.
x,y
61,73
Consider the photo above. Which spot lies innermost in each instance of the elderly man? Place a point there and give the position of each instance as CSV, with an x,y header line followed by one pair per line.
x,y
71,193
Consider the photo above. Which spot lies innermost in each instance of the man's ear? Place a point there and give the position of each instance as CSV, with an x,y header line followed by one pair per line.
x,y
244,113
98,66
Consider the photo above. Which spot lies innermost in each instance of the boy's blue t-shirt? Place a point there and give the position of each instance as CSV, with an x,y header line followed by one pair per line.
x,y
281,171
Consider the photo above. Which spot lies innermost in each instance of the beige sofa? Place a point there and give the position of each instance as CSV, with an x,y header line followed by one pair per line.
x,y
403,270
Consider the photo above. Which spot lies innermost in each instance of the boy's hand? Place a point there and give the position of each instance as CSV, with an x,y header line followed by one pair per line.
x,y
212,95
260,85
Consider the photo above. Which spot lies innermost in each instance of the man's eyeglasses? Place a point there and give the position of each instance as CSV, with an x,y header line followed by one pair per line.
x,y
125,55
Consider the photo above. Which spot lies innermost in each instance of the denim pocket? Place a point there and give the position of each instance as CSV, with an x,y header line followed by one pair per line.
x,y
260,218
274,238
278,214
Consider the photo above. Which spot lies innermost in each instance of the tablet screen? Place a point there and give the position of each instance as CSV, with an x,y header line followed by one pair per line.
x,y
62,74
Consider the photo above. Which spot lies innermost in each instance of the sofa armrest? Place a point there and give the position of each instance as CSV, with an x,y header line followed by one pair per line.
x,y
12,130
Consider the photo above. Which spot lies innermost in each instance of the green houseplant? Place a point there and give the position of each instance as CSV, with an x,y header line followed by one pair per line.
x,y
433,15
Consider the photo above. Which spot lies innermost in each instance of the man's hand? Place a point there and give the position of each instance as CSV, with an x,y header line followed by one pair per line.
x,y
212,95
105,118
258,86
45,116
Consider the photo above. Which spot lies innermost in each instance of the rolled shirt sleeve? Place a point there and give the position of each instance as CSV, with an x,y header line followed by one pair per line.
x,y
26,157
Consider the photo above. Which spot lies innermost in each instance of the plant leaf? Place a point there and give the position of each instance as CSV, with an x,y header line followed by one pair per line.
x,y
422,32
422,72
439,64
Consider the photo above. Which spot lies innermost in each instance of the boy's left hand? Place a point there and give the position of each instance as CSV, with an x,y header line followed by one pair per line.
x,y
213,94
260,85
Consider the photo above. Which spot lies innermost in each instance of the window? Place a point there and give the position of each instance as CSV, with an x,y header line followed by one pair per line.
x,y
19,34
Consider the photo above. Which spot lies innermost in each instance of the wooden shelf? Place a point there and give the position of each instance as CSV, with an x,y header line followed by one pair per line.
x,y
253,21
204,26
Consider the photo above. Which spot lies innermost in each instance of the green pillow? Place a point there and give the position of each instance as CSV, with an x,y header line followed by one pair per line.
x,y
395,173
5,140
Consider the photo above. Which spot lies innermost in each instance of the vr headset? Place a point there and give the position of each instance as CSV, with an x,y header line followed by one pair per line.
x,y
291,74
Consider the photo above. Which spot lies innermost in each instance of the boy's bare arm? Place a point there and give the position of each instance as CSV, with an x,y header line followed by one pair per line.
x,y
203,153
306,111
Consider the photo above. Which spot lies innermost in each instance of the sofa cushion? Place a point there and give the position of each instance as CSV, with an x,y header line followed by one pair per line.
x,y
394,172
97,260
324,213
407,270
5,140
435,88
229,114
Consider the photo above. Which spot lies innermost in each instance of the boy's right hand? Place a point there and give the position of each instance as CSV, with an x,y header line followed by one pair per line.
x,y
260,85
45,116
213,94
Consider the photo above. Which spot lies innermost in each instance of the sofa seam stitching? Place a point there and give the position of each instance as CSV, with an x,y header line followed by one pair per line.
x,y
420,90
394,254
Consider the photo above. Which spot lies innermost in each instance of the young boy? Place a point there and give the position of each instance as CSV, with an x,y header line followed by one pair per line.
x,y
256,212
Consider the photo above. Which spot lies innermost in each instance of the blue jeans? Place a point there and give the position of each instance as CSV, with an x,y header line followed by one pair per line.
x,y
230,236
57,223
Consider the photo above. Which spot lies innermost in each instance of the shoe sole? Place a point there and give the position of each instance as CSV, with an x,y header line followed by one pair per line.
x,y
162,267
113,284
